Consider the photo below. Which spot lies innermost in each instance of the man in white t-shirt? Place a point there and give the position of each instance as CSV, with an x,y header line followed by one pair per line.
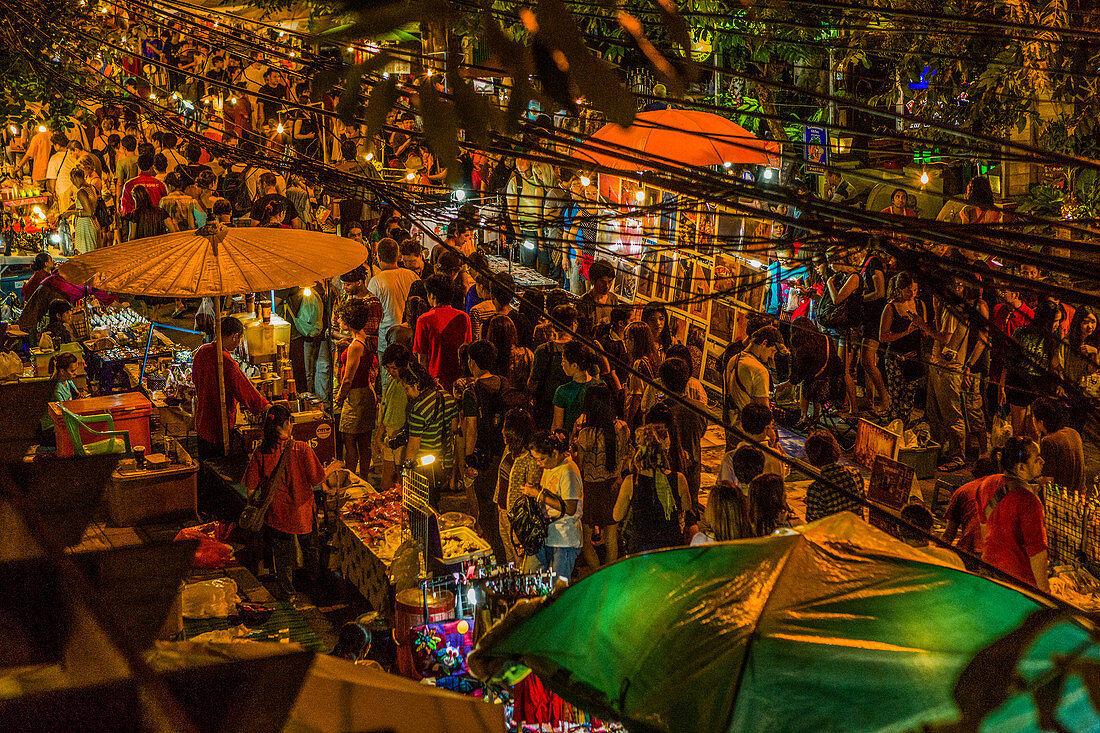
x,y
57,172
747,379
391,286
560,491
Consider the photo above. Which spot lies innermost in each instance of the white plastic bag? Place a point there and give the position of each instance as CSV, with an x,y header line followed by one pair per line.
x,y
210,598
1000,432
11,366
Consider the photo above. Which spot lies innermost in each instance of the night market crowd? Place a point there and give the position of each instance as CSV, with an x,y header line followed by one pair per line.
x,y
574,407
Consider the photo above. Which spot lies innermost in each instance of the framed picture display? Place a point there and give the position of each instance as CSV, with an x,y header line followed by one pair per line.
x,y
685,274
663,289
647,277
701,292
626,279
667,231
712,371
721,321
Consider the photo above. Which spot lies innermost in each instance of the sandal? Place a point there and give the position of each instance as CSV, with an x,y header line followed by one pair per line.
x,y
951,466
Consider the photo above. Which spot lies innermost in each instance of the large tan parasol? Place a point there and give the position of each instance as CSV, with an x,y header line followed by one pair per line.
x,y
213,261
216,260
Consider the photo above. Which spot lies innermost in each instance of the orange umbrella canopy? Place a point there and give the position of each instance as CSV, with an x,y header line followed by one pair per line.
x,y
216,260
676,136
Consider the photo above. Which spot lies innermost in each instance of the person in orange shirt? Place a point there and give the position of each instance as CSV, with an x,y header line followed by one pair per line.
x,y
292,514
39,152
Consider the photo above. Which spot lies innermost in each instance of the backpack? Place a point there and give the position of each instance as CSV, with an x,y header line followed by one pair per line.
x,y
847,314
530,527
234,188
103,214
492,406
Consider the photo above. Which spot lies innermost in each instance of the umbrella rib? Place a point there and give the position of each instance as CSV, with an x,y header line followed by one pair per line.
x,y
752,635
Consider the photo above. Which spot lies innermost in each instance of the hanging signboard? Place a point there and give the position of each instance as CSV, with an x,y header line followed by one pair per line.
x,y
815,148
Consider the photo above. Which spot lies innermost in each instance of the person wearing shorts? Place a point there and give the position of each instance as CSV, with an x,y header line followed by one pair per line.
x,y
356,399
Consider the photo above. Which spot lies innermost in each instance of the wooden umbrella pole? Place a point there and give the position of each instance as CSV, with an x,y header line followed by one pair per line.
x,y
221,374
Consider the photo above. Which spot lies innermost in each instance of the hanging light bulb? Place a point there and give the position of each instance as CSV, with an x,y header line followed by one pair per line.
x,y
41,128
639,196
410,176
232,100
306,292
279,129
586,181
924,179
727,165
370,157
13,129
428,72
152,96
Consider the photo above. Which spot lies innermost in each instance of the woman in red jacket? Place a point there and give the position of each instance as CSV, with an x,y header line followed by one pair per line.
x,y
292,515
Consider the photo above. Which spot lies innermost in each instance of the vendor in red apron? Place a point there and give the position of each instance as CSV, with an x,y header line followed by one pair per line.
x,y
238,389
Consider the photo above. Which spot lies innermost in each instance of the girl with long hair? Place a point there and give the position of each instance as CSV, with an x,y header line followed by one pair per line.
x,y
768,510
1031,374
292,515
655,496
146,220
644,358
726,516
600,443
85,227
1079,357
904,320
356,399
513,360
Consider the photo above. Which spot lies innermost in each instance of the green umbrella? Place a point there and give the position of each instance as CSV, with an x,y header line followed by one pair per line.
x,y
838,627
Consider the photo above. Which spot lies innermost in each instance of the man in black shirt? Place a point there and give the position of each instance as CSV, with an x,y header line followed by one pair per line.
x,y
269,109
271,192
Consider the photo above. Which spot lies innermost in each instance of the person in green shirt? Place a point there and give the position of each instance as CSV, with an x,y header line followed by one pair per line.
x,y
64,368
395,411
580,365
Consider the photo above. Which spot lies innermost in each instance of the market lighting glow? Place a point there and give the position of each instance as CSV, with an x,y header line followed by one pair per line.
x,y
13,130
55,238
924,179
306,292
41,128
370,156
727,165
232,100
153,97
768,173
586,181
37,211
471,596
639,196
756,263
427,460
409,176
460,195
279,129
529,244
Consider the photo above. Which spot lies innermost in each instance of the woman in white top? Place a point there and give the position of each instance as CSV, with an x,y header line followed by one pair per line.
x,y
560,491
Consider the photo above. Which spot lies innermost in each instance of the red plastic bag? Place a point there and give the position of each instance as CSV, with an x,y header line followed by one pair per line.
x,y
212,552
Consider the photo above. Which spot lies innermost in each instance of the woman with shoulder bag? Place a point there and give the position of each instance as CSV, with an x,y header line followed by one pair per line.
x,y
904,320
285,471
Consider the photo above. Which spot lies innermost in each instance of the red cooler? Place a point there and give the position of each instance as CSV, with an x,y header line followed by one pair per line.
x,y
130,410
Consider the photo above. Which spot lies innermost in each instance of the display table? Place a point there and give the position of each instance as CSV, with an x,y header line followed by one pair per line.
x,y
362,568
525,277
